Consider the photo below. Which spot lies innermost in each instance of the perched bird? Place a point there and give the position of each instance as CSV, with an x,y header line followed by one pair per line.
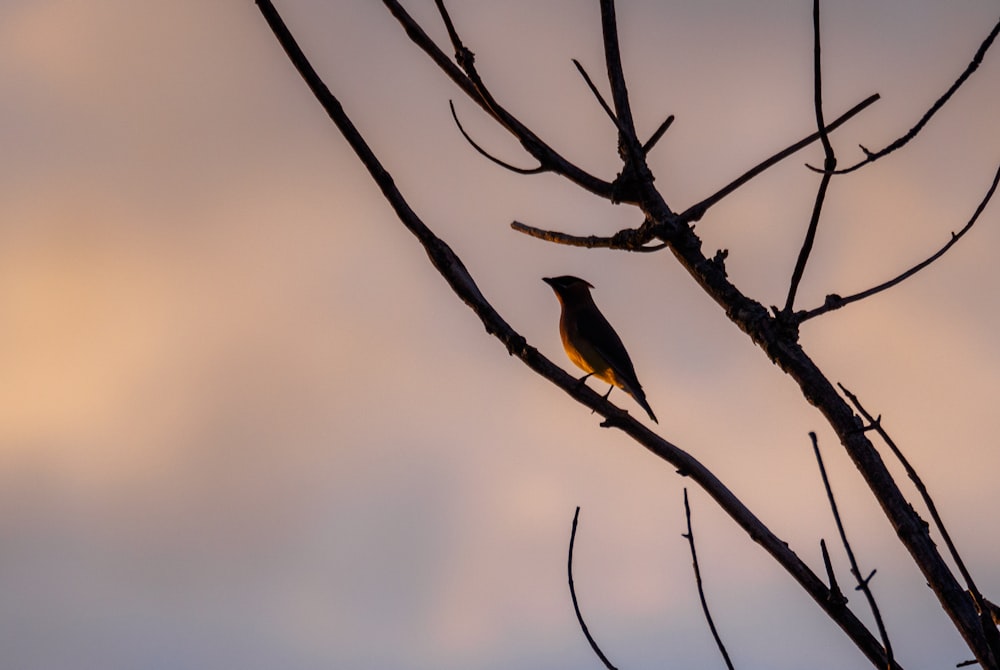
x,y
590,341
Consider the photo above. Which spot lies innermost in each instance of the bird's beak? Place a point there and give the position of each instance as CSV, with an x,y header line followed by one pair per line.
x,y
548,280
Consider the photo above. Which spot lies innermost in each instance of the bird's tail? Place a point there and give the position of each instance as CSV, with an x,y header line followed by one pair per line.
x,y
640,397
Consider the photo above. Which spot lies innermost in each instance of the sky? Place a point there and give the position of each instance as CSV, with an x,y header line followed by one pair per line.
x,y
244,423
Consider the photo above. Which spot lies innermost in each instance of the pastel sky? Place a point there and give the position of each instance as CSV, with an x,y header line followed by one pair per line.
x,y
244,423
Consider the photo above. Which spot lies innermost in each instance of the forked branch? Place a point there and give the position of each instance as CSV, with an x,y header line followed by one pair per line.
x,y
977,59
697,210
834,301
829,163
986,608
864,583
476,90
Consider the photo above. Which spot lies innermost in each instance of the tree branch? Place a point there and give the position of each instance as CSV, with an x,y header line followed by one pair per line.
x,y
597,94
986,609
491,157
829,164
657,134
701,590
863,582
576,605
977,59
749,315
697,210
630,239
834,301
635,170
477,92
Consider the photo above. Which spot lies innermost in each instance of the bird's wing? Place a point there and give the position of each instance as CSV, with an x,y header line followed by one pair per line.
x,y
598,332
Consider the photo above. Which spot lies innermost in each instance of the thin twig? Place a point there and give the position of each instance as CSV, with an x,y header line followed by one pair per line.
x,y
630,239
977,59
696,211
863,582
834,301
829,164
489,156
597,94
576,605
835,591
985,607
701,590
655,137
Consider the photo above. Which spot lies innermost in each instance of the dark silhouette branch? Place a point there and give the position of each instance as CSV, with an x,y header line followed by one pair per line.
x,y
835,591
634,170
863,582
701,590
977,59
477,92
487,155
696,211
829,163
834,301
597,94
655,137
630,239
576,605
986,608
749,315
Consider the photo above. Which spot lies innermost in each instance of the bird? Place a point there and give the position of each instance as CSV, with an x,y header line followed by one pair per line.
x,y
590,341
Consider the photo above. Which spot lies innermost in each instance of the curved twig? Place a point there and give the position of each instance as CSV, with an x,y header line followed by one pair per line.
x,y
630,239
689,535
863,582
513,168
834,301
576,605
829,163
977,59
697,210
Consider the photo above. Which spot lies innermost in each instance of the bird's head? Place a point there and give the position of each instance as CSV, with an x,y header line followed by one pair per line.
x,y
568,286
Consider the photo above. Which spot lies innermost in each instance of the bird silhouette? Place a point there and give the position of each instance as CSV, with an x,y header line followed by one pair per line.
x,y
590,341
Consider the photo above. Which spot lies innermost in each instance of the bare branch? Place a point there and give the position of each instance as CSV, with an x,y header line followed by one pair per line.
x,y
696,211
977,59
986,608
701,590
834,586
635,173
834,301
863,583
484,153
477,92
597,94
655,137
576,605
628,141
746,313
630,239
829,163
